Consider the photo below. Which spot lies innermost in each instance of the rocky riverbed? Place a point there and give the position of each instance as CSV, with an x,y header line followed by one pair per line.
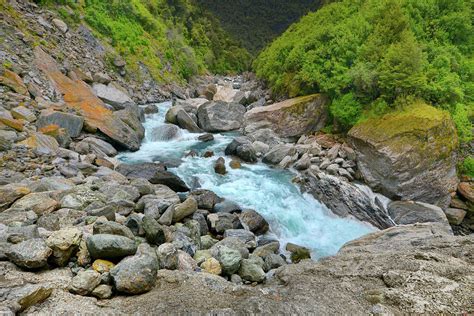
x,y
95,218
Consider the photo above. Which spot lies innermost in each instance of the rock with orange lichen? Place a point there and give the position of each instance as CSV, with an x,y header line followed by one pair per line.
x,y
13,81
59,133
41,143
12,123
80,97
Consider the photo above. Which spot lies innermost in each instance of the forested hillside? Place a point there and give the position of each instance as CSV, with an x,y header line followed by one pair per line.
x,y
373,56
256,22
174,38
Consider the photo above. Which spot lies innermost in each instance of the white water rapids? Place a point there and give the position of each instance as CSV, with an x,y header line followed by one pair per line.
x,y
293,217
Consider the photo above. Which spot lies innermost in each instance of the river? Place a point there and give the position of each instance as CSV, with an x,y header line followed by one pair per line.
x,y
293,217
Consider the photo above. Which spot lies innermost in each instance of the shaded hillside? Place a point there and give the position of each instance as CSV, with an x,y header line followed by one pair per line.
x,y
256,22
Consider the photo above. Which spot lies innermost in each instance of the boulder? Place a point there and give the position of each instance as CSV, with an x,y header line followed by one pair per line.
x,y
60,25
42,144
185,209
13,81
154,232
219,166
186,262
133,116
30,254
206,137
84,282
72,123
102,291
298,253
64,243
205,199
92,145
113,94
408,212
220,222
212,266
220,116
254,222
136,274
228,258
105,246
250,271
80,97
207,91
409,155
226,206
167,256
40,203
10,193
22,113
164,132
111,228
278,153
291,118
455,216
273,261
242,148
190,105
247,237
466,190
185,121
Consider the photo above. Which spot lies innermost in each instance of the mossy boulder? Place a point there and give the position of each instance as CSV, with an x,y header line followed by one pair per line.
x,y
290,118
409,155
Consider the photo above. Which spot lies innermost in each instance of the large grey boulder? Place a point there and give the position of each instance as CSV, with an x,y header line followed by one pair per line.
x,y
113,94
105,246
185,121
72,123
291,118
407,212
220,116
136,274
164,132
30,254
409,155
278,153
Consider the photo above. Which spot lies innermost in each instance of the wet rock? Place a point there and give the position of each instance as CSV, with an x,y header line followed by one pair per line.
x,y
72,123
136,274
30,254
254,222
226,206
290,118
106,246
218,116
186,122
220,222
64,244
298,253
84,282
206,137
219,166
242,148
165,132
410,155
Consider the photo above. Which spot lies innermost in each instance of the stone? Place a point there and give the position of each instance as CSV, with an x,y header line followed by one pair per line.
x,y
42,144
167,256
72,123
229,259
79,96
13,81
40,203
136,274
10,193
84,282
267,249
273,261
154,232
226,206
290,118
30,254
455,216
64,244
102,291
298,253
205,199
101,77
105,246
60,25
219,116
133,116
112,94
206,137
202,255
220,222
219,166
234,164
254,222
22,113
303,163
467,191
186,262
96,146
102,266
250,271
111,228
189,105
185,209
207,91
186,122
242,148
212,266
247,237
278,153
409,155
408,212
165,132
232,243
28,295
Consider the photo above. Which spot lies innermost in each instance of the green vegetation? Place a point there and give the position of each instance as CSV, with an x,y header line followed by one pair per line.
x,y
256,22
467,167
373,56
175,39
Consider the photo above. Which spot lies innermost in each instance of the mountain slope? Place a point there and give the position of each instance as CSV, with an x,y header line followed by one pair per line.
x,y
256,22
374,56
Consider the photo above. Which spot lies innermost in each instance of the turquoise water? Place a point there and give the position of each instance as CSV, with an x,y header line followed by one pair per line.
x,y
293,217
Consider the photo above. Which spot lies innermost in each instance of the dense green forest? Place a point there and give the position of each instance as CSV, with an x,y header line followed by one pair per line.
x,y
372,56
176,39
256,22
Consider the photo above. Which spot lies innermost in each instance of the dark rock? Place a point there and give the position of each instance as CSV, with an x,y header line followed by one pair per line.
x,y
72,123
185,121
106,246
298,253
219,166
153,231
205,199
254,222
206,137
406,212
226,206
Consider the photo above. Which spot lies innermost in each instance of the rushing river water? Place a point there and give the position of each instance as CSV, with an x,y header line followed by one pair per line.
x,y
293,217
